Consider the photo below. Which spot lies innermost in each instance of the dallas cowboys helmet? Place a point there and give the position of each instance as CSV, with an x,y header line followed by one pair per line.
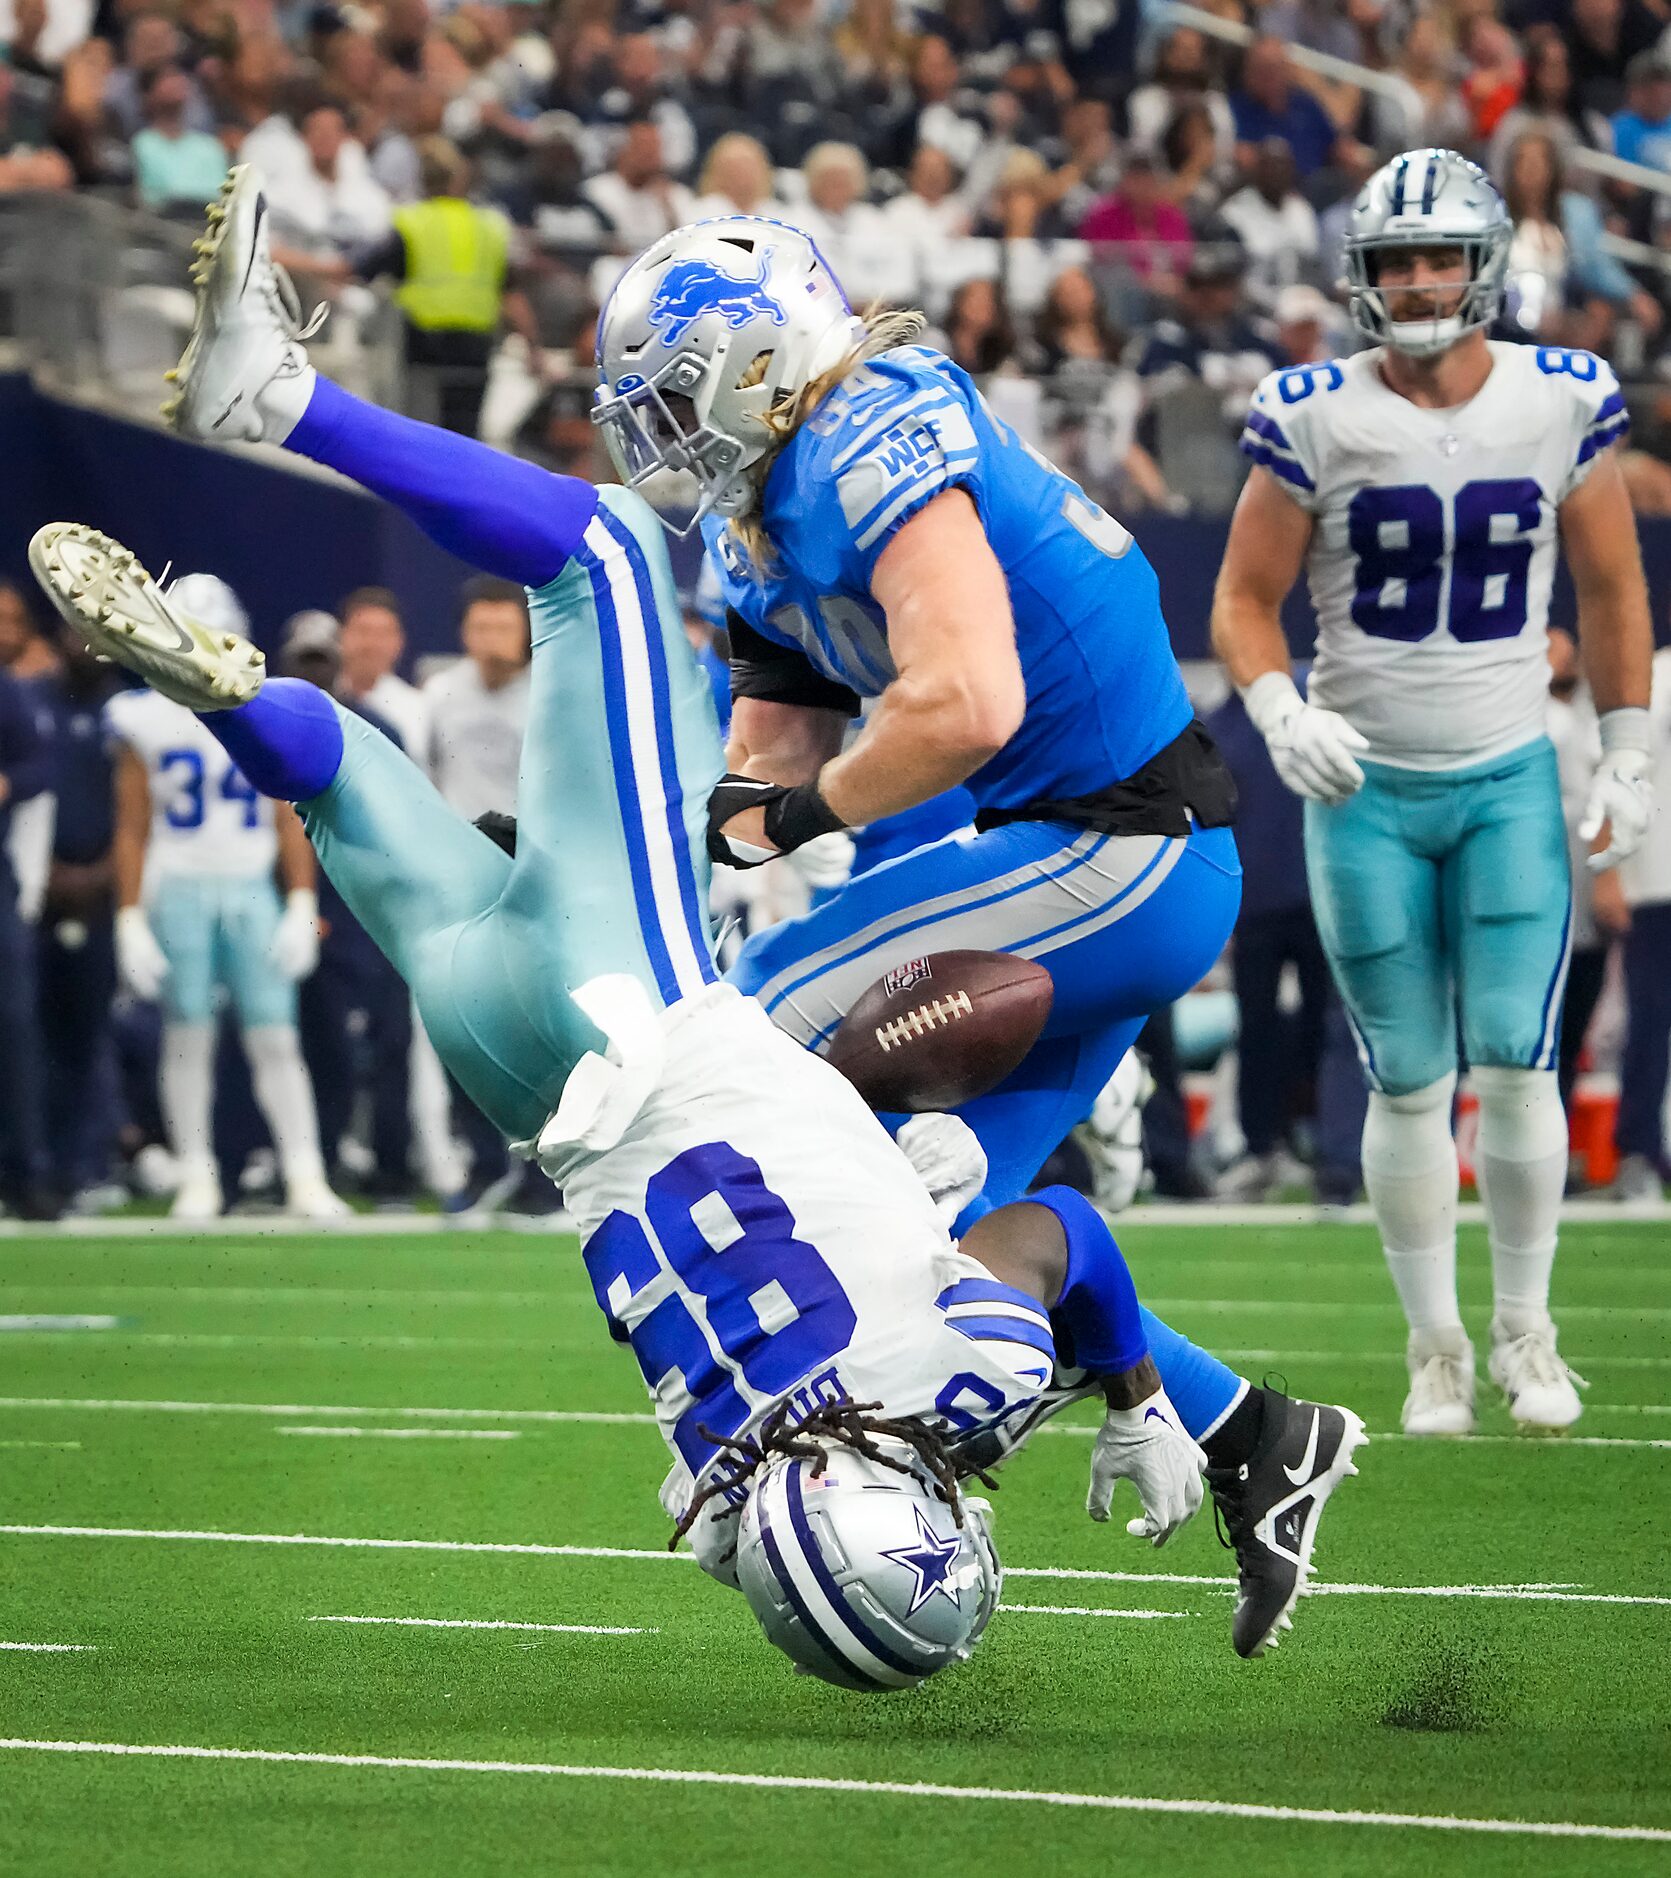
x,y
862,1575
702,336
1428,199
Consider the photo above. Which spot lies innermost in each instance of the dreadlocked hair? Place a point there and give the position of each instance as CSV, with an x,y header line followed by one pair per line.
x,y
885,328
840,1424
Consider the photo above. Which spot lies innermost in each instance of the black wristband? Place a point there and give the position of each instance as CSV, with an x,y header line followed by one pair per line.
x,y
798,816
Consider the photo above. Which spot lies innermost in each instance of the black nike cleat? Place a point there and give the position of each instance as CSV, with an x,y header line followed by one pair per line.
x,y
1269,1507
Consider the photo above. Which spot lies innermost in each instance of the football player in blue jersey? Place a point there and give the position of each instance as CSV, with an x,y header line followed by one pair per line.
x,y
571,984
880,534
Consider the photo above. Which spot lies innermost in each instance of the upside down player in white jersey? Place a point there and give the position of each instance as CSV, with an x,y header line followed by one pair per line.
x,y
195,854
750,1231
1425,482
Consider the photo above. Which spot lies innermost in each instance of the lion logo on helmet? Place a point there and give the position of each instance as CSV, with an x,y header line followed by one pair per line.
x,y
689,289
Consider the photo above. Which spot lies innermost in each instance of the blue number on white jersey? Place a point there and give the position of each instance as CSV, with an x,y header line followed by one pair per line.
x,y
1398,536
772,1304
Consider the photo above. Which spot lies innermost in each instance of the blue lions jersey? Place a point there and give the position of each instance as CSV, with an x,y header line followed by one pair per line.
x,y
1103,689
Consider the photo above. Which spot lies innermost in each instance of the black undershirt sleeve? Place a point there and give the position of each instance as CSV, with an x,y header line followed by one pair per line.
x,y
760,668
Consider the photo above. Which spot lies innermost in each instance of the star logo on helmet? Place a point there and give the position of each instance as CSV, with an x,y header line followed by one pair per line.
x,y
930,1561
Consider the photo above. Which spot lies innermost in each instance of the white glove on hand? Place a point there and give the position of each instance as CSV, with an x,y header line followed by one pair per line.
x,y
1622,791
824,862
295,948
949,1161
1147,1446
1315,751
140,962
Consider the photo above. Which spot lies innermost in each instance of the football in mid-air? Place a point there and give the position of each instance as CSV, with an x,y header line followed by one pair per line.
x,y
937,1032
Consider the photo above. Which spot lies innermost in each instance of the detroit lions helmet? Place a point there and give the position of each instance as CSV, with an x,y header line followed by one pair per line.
x,y
1428,199
702,336
862,1575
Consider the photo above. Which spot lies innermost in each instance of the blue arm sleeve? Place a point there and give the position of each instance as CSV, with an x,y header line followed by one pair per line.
x,y
497,512
25,751
1097,1321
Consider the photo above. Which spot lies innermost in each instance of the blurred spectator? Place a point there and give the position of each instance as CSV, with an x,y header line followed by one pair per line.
x,y
24,653
1602,37
40,34
640,92
1642,131
1269,103
1195,175
1183,78
737,179
1092,169
478,712
174,167
1646,1062
449,255
636,197
83,127
76,952
939,115
27,158
1151,235
851,232
978,332
1598,908
327,204
1277,226
353,1009
26,1187
930,211
1320,26
1279,1052
787,59
874,48
370,644
1305,323
479,705
1073,327
1547,105
1020,207
1428,113
1495,74
151,42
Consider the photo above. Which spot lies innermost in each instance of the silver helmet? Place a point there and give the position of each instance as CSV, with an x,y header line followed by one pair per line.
x,y
862,1573
1428,199
703,335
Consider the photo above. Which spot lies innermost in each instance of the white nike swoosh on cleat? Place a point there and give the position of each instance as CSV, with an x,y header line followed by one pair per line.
x,y
1301,1474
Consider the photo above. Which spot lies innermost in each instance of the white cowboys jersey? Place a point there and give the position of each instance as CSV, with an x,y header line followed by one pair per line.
x,y
1433,554
206,820
755,1236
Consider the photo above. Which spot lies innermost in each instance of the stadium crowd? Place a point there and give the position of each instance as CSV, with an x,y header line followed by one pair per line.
x,y
1120,220
1117,222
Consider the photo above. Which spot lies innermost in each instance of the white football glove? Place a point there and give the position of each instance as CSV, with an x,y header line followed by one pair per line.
x,y
140,962
1147,1446
824,862
1315,751
1621,795
295,947
949,1161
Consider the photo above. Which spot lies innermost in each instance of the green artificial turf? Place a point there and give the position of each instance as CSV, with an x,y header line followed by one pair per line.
x,y
1520,1708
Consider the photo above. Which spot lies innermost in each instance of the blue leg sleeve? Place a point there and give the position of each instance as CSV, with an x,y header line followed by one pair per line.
x,y
1097,1321
497,512
287,740
1200,1387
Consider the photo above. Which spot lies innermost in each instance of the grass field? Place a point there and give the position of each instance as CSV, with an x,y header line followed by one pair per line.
x,y
1494,1645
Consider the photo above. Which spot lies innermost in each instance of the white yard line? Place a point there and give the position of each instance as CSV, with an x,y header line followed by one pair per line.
x,y
35,1321
911,1790
635,1417
40,1444
1081,1431
496,1623
50,1649
1533,1592
299,1293
1082,1610
411,1434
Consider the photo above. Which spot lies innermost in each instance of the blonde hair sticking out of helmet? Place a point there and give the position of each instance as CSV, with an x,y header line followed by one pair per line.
x,y
884,328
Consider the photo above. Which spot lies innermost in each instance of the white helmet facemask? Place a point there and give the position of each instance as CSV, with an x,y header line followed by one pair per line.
x,y
1428,199
704,335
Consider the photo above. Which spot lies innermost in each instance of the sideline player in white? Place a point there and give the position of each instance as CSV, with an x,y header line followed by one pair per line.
x,y
1426,481
194,857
